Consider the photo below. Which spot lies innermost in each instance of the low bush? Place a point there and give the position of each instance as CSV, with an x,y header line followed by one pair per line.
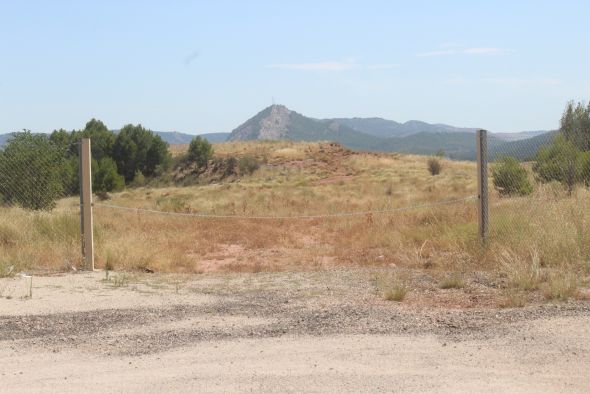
x,y
200,151
434,166
511,178
248,164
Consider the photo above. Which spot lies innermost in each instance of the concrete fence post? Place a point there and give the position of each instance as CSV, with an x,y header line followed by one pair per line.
x,y
482,184
86,223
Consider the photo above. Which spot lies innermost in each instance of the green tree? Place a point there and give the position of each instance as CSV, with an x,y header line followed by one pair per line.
x,y
575,125
105,177
158,157
584,168
102,139
138,149
558,162
65,141
511,178
31,170
200,151
70,176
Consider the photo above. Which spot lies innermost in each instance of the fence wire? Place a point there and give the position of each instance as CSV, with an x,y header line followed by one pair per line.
x,y
39,204
36,173
293,217
40,220
539,198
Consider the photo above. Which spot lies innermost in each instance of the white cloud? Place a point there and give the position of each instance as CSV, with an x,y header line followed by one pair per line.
x,y
465,51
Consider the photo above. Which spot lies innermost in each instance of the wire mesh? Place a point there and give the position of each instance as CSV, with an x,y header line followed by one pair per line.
x,y
284,214
36,173
39,204
315,205
539,200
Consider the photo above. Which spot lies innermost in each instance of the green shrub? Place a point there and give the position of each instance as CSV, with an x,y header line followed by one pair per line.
x,y
511,178
138,149
138,179
200,151
231,163
558,162
584,168
248,164
31,169
106,178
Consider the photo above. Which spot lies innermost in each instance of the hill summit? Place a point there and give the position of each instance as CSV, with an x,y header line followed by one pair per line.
x,y
277,122
272,123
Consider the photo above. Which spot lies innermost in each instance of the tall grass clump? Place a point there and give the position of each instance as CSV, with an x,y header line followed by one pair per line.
x,y
453,281
392,287
434,166
523,274
561,286
38,240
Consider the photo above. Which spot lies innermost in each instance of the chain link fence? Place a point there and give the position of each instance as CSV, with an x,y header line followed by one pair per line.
x,y
39,204
540,201
313,205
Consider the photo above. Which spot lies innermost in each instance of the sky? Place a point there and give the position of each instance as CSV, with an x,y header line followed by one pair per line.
x,y
208,66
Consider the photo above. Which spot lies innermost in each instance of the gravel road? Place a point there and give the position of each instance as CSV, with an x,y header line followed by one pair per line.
x,y
325,331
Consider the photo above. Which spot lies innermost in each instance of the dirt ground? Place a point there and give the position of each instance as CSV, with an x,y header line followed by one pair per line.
x,y
322,331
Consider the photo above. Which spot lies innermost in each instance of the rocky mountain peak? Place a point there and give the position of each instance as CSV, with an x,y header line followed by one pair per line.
x,y
272,123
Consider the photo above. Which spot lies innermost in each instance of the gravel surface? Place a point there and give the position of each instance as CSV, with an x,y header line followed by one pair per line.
x,y
153,316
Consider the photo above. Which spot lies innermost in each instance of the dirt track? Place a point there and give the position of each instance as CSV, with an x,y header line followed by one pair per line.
x,y
278,332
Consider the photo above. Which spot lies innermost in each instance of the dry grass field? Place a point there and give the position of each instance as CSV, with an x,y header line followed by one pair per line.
x,y
539,245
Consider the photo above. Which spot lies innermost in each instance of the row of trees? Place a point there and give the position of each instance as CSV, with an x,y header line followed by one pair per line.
x,y
36,169
566,160
133,150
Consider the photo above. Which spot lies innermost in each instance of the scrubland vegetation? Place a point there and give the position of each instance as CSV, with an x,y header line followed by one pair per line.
x,y
539,244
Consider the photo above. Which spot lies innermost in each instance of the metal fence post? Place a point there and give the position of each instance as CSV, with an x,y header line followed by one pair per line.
x,y
86,222
482,184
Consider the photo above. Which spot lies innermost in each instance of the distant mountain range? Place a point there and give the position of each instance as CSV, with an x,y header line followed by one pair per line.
x,y
388,128
277,122
174,137
4,138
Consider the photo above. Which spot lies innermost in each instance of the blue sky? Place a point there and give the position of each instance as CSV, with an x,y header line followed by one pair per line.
x,y
207,66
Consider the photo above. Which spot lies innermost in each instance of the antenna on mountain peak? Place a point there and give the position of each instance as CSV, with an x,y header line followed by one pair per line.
x,y
273,100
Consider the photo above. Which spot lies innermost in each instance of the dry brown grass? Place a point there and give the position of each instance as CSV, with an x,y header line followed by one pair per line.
x,y
531,239
452,281
392,287
513,299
